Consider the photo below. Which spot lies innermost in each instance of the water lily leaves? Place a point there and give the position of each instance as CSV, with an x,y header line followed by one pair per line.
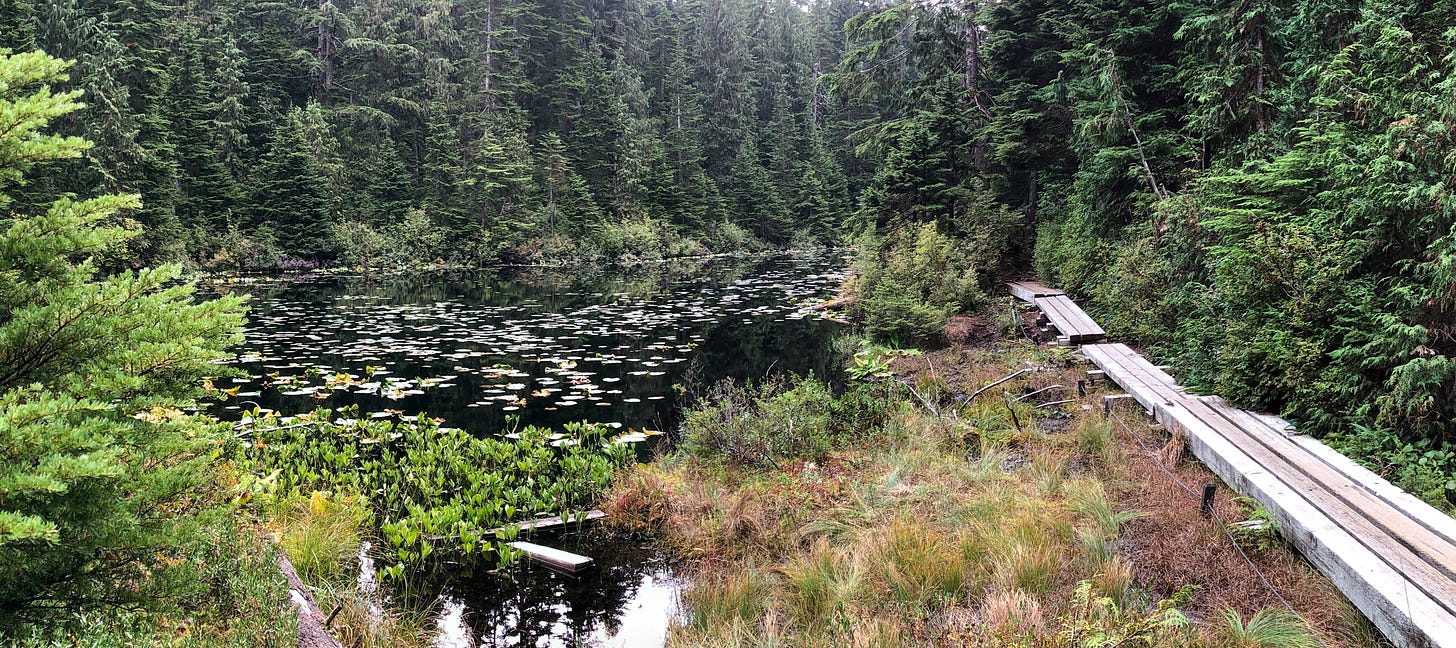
x,y
336,342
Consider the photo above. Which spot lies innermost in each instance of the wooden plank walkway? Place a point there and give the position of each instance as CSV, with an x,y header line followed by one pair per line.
x,y
1392,555
1073,325
1028,291
557,559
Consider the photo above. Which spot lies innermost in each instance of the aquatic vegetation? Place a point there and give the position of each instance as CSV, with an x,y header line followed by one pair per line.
x,y
435,493
475,348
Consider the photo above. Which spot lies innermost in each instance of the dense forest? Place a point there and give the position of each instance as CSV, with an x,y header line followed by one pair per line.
x,y
1258,192
290,134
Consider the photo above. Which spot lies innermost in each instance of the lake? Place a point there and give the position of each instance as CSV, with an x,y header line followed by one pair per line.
x,y
489,352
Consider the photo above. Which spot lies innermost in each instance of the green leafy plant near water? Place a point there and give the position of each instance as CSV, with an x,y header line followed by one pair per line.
x,y
434,492
781,420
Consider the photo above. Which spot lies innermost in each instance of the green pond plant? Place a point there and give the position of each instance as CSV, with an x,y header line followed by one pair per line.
x,y
434,493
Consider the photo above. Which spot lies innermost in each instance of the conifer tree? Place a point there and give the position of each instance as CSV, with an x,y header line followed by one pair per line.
x,y
98,462
288,196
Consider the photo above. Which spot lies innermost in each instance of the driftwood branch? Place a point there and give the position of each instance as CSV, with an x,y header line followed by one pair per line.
x,y
982,390
1060,402
1029,395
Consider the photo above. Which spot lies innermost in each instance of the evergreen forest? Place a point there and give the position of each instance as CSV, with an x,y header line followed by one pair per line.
x,y
1259,193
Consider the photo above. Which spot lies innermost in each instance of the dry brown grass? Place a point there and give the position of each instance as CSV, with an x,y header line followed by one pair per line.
x,y
972,530
1013,613
357,626
1173,545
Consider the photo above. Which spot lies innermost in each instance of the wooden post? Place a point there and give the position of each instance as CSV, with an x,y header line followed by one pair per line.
x,y
1206,510
1082,388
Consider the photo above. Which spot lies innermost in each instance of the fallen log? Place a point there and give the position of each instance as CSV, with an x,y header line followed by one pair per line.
x,y
836,303
312,629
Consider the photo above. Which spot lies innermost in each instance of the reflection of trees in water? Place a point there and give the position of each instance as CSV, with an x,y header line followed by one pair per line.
x,y
421,321
543,608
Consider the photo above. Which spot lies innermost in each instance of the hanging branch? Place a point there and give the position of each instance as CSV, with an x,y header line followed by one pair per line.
x,y
1113,80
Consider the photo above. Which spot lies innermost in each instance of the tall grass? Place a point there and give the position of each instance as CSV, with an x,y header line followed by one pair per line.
x,y
736,596
922,567
822,585
1267,628
320,533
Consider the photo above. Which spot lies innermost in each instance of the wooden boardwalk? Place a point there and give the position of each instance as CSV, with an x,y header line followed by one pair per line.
x,y
1392,555
1073,325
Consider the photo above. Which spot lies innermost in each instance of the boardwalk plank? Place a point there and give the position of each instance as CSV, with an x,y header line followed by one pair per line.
x,y
1392,555
1068,319
1028,291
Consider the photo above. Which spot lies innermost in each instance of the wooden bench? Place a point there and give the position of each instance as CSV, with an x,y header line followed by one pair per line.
x,y
1392,555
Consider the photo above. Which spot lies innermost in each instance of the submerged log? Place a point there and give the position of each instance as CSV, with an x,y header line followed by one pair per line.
x,y
546,524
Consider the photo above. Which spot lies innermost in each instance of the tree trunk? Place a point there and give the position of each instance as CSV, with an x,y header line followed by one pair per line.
x,y
311,630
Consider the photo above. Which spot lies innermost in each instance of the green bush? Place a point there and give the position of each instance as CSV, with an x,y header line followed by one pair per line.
x,y
224,590
911,280
891,312
782,420
1425,468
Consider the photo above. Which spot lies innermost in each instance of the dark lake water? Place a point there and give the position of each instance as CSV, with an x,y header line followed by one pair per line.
x,y
490,351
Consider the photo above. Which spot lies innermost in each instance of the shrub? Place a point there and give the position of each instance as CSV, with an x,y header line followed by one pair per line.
x,y
892,312
224,591
361,244
911,280
782,420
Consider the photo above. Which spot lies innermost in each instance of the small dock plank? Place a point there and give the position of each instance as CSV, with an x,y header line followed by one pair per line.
x,y
1391,554
550,523
1028,291
554,558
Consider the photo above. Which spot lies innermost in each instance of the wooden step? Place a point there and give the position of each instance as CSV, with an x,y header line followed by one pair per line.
x,y
1028,291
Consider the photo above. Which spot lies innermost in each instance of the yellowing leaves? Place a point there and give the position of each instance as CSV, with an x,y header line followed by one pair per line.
x,y
159,415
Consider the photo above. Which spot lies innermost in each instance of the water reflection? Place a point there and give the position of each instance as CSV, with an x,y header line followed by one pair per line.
x,y
484,350
626,600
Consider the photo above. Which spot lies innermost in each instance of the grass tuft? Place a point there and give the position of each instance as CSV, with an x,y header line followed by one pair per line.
x,y
822,585
1012,613
734,597
1268,628
321,533
920,566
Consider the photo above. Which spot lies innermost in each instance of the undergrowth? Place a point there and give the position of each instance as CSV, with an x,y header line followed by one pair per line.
x,y
870,521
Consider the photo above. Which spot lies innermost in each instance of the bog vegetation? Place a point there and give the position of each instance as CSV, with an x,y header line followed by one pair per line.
x,y
1258,192
892,515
